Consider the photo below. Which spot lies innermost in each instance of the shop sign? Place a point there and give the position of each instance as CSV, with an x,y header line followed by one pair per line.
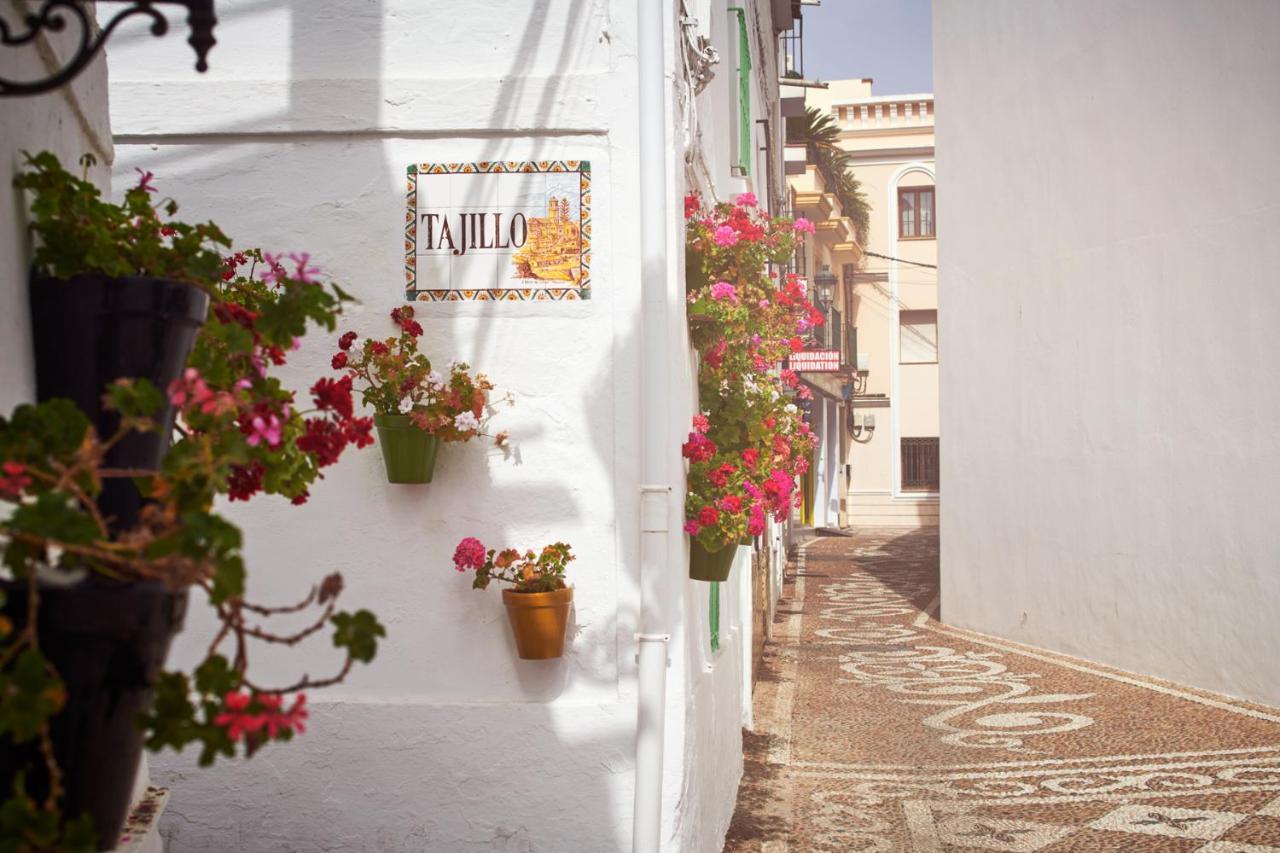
x,y
815,361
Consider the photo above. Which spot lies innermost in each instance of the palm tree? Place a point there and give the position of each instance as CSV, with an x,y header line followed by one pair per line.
x,y
821,133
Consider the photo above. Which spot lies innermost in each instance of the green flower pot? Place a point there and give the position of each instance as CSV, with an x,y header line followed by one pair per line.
x,y
699,312
707,565
409,452
694,278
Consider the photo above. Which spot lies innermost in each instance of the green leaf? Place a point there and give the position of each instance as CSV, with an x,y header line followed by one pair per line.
x,y
136,398
215,677
55,428
78,836
358,633
23,825
55,515
29,695
171,719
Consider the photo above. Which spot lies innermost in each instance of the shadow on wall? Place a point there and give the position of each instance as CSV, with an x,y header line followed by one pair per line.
x,y
518,775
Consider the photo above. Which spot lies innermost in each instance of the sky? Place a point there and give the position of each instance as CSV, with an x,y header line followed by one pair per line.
x,y
888,40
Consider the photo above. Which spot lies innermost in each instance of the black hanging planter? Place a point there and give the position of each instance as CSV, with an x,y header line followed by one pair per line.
x,y
108,642
91,330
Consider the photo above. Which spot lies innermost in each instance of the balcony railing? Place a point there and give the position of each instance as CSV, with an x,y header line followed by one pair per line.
x,y
793,50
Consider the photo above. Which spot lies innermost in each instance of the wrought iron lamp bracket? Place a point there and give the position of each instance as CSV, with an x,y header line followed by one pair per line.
x,y
52,17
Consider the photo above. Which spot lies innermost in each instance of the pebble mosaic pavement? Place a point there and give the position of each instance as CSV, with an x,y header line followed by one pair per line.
x,y
879,728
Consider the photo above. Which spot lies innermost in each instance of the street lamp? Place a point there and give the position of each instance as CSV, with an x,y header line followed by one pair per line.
x,y
824,284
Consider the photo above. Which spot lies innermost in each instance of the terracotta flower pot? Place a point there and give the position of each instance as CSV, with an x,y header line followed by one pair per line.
x,y
408,452
539,621
707,565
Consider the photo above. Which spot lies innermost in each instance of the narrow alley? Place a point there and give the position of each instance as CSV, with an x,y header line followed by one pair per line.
x,y
880,728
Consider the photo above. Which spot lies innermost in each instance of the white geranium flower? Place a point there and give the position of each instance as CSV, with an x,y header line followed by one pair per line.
x,y
435,381
466,421
791,408
406,406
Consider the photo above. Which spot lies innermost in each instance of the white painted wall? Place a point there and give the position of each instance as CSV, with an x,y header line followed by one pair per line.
x,y
718,701
297,139
69,122
1110,392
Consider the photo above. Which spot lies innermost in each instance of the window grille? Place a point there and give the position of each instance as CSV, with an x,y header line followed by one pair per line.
x,y
920,464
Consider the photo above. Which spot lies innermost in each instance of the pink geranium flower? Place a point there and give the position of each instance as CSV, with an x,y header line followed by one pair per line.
x,y
804,226
723,290
275,272
747,200
191,392
264,429
726,236
470,554
303,272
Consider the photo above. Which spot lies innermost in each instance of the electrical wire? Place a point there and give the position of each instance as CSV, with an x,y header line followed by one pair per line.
x,y
898,260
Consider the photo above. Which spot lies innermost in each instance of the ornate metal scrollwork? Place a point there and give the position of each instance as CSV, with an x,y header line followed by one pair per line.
x,y
52,17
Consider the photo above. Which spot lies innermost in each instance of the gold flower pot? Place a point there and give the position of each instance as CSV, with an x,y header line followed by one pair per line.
x,y
539,621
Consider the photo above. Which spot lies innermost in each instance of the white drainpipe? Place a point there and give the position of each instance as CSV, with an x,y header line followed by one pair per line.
x,y
657,321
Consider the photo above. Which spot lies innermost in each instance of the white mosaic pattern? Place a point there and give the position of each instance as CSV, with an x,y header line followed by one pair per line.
x,y
1166,820
987,697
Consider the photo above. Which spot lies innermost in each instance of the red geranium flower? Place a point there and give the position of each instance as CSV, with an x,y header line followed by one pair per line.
x,y
323,439
245,481
333,394
15,479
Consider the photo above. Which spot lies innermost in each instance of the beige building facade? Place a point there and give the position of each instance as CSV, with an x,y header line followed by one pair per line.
x,y
826,368
890,308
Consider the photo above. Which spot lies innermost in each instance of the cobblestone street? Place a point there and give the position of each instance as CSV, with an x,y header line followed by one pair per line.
x,y
879,728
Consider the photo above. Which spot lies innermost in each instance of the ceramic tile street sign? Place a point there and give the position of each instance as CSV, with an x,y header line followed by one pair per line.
x,y
488,231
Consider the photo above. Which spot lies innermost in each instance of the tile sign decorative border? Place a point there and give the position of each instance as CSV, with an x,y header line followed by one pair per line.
x,y
511,231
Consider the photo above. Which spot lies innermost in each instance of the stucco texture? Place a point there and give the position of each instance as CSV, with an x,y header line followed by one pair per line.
x,y
1109,393
70,122
298,139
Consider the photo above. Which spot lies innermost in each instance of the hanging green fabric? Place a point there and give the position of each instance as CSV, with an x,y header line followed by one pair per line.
x,y
744,93
715,616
